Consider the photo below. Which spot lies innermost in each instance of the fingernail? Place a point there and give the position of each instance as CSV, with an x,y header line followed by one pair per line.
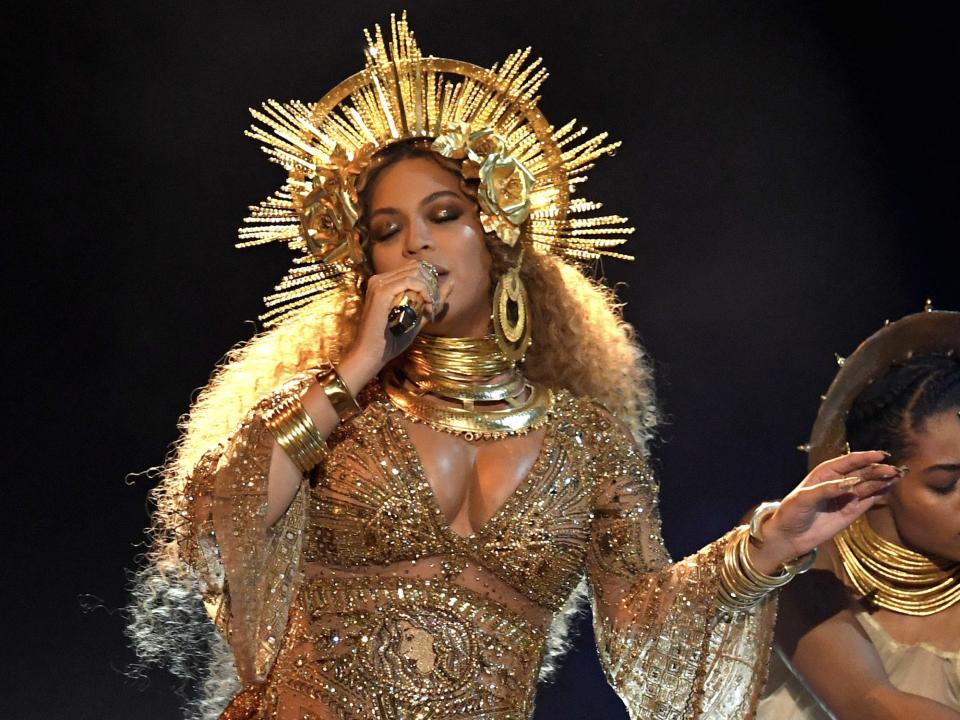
x,y
885,453
896,472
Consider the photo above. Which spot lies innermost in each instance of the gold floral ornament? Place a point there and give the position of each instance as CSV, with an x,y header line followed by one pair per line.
x,y
453,142
505,184
504,196
330,209
529,170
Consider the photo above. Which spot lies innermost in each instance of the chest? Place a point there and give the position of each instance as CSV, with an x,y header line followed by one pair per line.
x,y
471,482
941,630
523,513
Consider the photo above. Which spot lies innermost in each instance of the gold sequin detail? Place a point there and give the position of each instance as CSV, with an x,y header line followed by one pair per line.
x,y
383,648
361,602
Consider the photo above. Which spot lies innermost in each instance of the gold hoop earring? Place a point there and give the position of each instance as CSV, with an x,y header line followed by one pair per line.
x,y
511,315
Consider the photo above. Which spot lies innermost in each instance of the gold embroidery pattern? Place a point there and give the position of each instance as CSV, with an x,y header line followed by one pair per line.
x,y
403,618
385,648
376,506
664,642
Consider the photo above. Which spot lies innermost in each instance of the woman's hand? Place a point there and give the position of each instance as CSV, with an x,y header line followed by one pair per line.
x,y
374,345
830,498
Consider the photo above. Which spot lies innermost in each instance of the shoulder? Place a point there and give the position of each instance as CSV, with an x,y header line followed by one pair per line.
x,y
608,445
591,419
828,559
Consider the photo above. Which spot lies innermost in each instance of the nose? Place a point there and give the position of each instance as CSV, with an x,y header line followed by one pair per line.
x,y
416,239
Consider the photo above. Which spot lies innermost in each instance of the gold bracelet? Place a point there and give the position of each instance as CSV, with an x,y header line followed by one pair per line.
x,y
798,566
282,422
738,591
741,585
735,592
336,390
761,513
296,433
755,576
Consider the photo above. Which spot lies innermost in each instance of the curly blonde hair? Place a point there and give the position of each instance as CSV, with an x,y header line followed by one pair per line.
x,y
581,343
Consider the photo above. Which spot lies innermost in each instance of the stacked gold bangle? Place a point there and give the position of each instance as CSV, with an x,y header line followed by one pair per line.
x,y
742,585
296,433
295,430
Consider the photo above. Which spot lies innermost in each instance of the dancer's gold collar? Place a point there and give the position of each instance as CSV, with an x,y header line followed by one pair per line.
x,y
893,577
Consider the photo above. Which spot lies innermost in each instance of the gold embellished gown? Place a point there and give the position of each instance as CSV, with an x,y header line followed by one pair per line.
x,y
361,602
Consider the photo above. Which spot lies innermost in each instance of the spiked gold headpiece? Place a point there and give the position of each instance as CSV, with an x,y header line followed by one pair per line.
x,y
528,170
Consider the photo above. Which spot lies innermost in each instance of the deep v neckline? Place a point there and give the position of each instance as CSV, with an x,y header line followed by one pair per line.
x,y
429,496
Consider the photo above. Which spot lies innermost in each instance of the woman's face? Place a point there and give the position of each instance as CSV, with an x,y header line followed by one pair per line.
x,y
417,211
926,503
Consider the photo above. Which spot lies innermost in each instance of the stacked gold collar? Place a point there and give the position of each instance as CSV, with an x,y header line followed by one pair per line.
x,y
893,577
467,387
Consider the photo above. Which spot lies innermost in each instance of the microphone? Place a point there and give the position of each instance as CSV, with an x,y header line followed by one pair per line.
x,y
407,308
406,312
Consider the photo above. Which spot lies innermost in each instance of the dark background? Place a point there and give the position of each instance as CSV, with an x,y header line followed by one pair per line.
x,y
791,168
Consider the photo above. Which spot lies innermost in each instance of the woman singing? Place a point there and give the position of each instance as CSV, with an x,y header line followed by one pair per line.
x,y
390,499
874,630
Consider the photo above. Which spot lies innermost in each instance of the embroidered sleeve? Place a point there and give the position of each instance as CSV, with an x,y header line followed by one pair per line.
x,y
666,645
248,572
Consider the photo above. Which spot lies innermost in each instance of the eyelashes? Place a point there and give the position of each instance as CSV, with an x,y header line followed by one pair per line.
x,y
445,214
438,217
381,235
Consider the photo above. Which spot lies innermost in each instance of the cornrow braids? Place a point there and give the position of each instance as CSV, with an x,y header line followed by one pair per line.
x,y
895,407
939,394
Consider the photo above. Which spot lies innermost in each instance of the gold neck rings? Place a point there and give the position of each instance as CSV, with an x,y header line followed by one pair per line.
x,y
895,578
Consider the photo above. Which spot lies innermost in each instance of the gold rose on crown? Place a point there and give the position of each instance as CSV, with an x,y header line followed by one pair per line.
x,y
329,206
505,184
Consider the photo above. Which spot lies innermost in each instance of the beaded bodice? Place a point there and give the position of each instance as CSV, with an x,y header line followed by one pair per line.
x,y
362,601
372,504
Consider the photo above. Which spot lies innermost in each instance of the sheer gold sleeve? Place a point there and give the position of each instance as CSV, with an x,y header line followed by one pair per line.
x,y
248,572
667,646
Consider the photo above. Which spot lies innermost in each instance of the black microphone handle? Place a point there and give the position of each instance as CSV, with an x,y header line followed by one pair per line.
x,y
406,312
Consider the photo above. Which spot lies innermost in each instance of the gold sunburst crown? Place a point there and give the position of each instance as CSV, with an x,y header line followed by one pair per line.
x,y
402,95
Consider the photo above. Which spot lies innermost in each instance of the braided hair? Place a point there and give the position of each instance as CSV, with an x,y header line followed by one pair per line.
x,y
892,410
